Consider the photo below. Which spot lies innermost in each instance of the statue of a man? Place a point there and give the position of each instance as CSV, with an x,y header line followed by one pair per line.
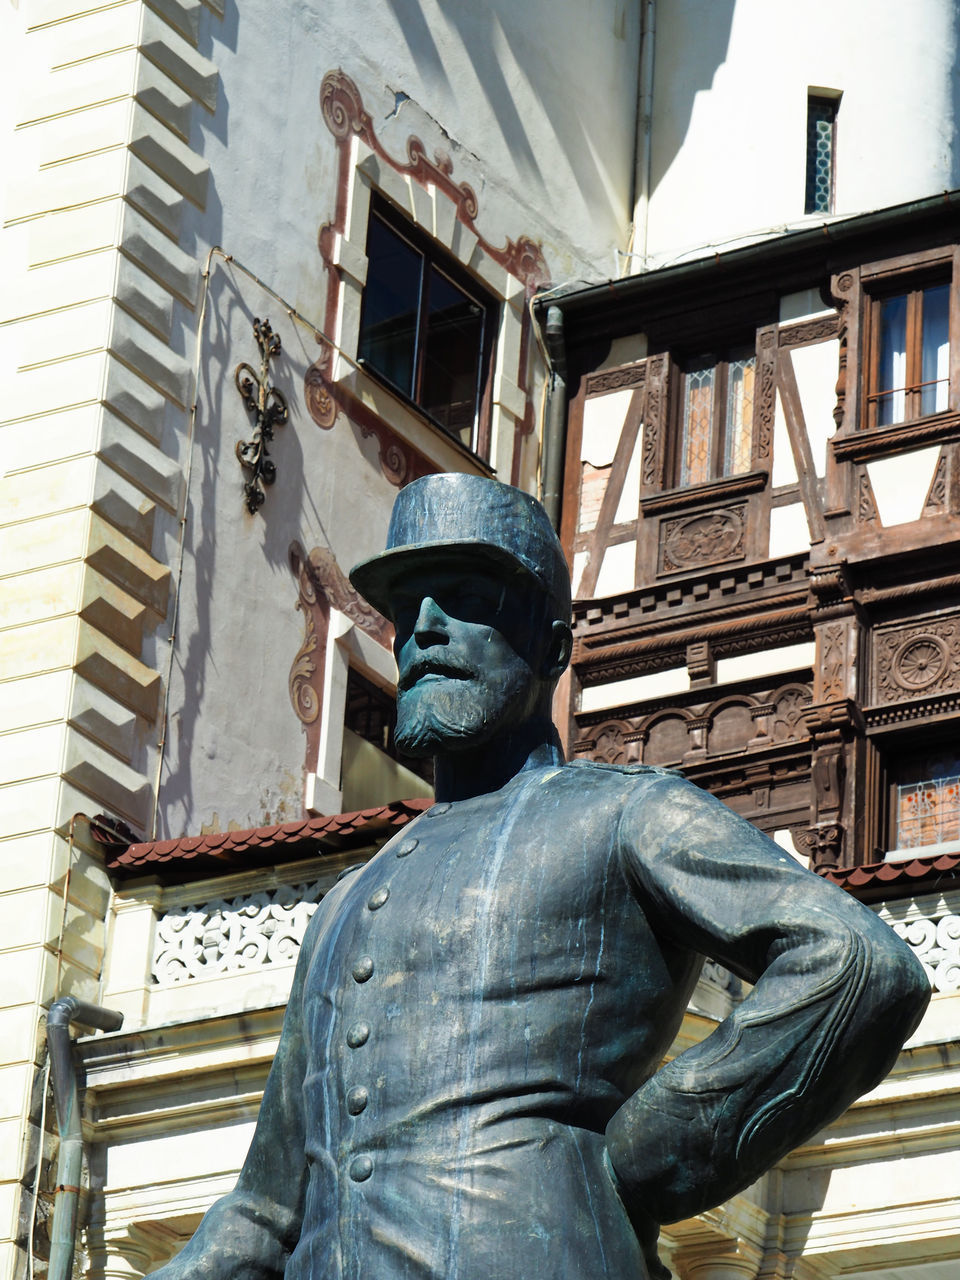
x,y
467,1083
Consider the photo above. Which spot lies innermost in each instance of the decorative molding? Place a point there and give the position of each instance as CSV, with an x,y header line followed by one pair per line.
x,y
766,396
935,941
344,114
866,504
936,499
700,495
786,718
321,584
248,932
831,663
630,375
880,442
705,538
819,330
651,462
917,661
269,408
822,843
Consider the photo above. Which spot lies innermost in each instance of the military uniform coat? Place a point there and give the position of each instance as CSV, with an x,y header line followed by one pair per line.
x,y
466,1086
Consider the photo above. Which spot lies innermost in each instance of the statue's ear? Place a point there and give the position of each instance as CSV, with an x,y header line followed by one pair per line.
x,y
558,650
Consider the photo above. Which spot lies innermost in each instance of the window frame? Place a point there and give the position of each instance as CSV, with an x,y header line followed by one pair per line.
x,y
434,255
876,294
720,359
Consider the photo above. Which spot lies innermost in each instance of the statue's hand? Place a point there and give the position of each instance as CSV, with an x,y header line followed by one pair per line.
x,y
646,1228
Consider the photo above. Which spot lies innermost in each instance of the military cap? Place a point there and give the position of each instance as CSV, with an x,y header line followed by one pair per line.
x,y
457,519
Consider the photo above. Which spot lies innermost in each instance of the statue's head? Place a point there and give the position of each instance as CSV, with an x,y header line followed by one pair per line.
x,y
476,585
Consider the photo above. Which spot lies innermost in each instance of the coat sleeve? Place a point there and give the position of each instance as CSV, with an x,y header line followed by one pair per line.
x,y
836,995
250,1233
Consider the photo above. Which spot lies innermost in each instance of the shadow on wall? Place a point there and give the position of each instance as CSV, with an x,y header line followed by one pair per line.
x,y
692,42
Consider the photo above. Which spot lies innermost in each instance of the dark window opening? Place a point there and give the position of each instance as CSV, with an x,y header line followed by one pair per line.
x,y
821,153
426,327
371,713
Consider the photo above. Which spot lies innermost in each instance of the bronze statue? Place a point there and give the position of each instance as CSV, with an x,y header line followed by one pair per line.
x,y
467,1083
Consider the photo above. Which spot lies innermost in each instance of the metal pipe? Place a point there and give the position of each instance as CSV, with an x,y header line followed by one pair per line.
x,y
555,423
63,1076
643,164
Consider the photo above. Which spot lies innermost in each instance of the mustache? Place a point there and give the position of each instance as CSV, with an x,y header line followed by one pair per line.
x,y
427,666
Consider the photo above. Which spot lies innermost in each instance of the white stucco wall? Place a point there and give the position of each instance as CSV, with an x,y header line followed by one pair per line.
x,y
731,81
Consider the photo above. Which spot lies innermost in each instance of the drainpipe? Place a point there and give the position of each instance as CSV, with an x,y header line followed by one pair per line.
x,y
63,1075
555,423
643,161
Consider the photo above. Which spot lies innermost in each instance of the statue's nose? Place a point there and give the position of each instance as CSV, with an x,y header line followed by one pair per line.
x,y
432,623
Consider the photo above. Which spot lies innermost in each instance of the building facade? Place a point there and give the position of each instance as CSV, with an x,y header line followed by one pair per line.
x,y
266,264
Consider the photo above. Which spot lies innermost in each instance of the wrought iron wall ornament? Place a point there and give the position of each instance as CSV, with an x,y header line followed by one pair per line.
x,y
270,409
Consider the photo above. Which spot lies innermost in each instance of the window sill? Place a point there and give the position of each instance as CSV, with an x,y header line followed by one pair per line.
x,y
699,495
922,851
878,442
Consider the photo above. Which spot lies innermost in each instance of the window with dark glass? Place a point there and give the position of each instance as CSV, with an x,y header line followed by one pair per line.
x,y
821,153
371,713
909,355
426,327
716,425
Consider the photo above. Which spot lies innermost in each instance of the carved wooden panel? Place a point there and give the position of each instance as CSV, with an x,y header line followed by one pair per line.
x,y
731,728
786,721
917,661
630,375
705,538
667,741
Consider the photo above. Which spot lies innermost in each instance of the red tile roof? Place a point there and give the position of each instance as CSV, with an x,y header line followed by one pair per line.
x,y
899,879
260,846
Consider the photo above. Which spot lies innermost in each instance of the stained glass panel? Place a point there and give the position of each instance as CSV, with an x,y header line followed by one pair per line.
x,y
739,424
928,812
697,440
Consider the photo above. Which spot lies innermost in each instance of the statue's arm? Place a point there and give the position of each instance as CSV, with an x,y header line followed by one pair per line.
x,y
836,995
250,1233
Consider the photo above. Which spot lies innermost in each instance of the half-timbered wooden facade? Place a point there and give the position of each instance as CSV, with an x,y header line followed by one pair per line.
x,y
763,514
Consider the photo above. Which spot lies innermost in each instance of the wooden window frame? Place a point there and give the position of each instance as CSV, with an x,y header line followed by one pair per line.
x,y
720,360
434,255
911,287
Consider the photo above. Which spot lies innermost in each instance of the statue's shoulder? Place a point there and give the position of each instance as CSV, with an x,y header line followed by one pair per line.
x,y
647,770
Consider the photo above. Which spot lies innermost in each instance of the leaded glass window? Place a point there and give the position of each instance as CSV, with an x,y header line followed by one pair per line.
x,y
716,433
821,146
927,803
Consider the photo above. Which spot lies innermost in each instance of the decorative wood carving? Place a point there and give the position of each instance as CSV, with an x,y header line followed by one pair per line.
x,y
653,428
766,395
819,330
701,664
866,506
831,663
917,661
787,723
699,495
823,845
936,500
630,375
709,537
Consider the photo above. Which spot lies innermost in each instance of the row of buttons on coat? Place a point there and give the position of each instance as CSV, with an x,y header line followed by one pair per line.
x,y
359,1033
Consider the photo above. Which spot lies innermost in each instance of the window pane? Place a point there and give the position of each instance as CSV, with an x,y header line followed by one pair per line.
x,y
928,812
696,446
821,120
892,373
391,303
452,350
936,348
739,420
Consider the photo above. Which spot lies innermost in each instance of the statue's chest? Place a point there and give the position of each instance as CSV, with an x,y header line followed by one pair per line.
x,y
480,899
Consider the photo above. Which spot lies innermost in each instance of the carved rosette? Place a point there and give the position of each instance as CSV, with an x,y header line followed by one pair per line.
x,y
917,661
709,537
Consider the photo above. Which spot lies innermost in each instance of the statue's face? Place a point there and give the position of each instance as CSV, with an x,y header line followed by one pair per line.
x,y
467,650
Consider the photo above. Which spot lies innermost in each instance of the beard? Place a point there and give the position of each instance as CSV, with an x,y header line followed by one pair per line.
x,y
441,716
